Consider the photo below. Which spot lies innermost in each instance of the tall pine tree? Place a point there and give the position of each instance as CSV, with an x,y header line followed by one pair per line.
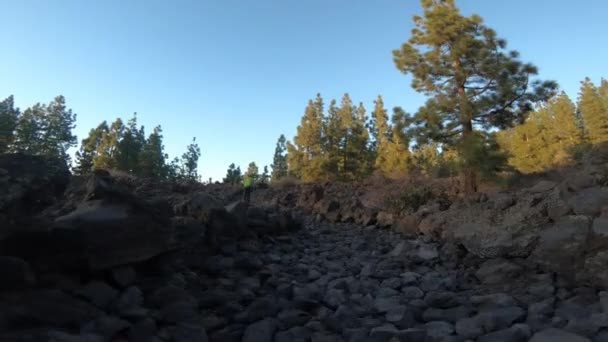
x,y
472,80
130,146
89,148
279,161
28,135
56,127
305,154
593,112
152,161
233,175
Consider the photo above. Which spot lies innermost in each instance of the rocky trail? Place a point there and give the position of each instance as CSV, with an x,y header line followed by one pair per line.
x,y
346,283
110,259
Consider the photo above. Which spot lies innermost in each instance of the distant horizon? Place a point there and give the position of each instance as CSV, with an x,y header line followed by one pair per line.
x,y
237,76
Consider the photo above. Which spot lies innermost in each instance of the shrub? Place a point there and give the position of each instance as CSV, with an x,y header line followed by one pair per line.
x,y
284,182
411,201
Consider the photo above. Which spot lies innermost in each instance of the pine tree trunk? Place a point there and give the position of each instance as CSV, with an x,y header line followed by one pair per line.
x,y
469,176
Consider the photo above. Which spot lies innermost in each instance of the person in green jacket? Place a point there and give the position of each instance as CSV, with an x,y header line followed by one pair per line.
x,y
247,182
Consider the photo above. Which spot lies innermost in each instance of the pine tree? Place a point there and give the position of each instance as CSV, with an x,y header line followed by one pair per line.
x,y
233,175
279,161
379,130
56,128
153,158
28,134
472,79
359,145
346,115
332,137
265,176
545,139
189,162
593,113
9,116
89,146
393,157
107,151
130,146
253,172
304,157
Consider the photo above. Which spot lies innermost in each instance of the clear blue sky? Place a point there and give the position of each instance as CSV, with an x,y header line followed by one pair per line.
x,y
236,74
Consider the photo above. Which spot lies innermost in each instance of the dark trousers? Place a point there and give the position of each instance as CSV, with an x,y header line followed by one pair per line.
x,y
247,194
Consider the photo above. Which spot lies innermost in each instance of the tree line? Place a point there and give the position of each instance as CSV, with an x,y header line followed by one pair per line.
x,y
486,110
46,130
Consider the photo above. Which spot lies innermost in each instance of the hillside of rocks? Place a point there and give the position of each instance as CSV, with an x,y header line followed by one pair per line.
x,y
114,258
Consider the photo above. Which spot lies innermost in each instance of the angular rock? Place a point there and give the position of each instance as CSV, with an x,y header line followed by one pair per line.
x,y
557,335
143,331
98,293
439,329
262,331
516,333
496,271
16,274
124,276
560,247
190,333
589,201
441,300
106,326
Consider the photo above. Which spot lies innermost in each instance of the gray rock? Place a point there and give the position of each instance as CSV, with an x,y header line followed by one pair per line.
x,y
557,335
16,274
182,311
131,298
258,310
516,333
493,300
386,304
496,271
106,326
589,201
412,292
124,276
438,329
60,336
98,293
451,315
388,333
262,331
299,334
185,332
560,247
441,300
469,328
293,317
143,330
401,317
501,318
50,307
600,227
335,298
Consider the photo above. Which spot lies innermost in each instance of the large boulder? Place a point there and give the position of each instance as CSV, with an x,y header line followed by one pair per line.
x,y
560,247
117,232
197,205
495,240
28,184
111,227
589,201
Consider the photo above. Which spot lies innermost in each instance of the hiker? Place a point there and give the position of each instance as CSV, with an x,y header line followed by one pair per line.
x,y
247,181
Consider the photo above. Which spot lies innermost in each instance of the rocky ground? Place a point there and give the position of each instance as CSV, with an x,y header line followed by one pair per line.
x,y
109,259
